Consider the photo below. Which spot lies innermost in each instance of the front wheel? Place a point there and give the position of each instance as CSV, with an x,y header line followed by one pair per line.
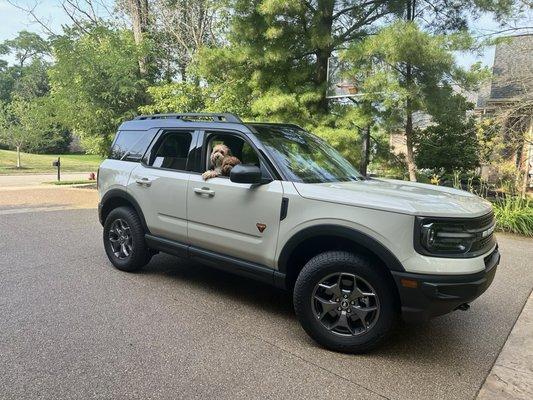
x,y
344,303
124,240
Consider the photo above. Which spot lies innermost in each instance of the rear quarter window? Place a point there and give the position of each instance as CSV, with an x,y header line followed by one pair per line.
x,y
131,145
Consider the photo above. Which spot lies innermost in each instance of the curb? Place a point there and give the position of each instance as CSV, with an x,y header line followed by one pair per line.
x,y
511,376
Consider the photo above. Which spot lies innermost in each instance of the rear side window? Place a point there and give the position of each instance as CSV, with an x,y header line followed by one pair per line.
x,y
131,145
171,151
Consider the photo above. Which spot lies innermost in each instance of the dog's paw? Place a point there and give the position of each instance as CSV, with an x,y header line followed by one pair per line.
x,y
209,174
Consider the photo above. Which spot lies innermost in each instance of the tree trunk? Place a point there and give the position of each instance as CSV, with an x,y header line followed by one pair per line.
x,y
138,10
321,78
365,159
18,157
183,71
323,23
411,166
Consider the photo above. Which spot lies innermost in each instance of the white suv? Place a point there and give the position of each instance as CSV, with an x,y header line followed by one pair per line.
x,y
357,252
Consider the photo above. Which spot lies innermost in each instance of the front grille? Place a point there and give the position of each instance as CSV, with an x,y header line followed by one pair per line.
x,y
483,222
482,244
479,226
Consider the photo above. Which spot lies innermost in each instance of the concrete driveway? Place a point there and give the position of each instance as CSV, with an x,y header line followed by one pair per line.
x,y
71,326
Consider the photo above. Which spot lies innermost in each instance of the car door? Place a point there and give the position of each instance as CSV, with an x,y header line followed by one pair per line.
x,y
234,219
159,184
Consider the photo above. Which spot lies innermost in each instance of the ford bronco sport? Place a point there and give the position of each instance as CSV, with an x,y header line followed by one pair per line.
x,y
357,252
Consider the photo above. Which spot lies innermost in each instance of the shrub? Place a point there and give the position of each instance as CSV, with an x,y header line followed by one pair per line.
x,y
514,214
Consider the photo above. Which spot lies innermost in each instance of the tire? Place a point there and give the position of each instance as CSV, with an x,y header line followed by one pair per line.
x,y
356,324
136,254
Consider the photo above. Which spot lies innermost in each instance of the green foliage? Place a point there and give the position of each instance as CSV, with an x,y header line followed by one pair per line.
x,y
275,62
28,78
96,83
174,97
514,214
8,78
26,46
427,86
451,143
490,142
266,61
21,125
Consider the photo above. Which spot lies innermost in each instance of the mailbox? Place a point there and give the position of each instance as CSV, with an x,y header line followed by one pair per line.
x,y
57,163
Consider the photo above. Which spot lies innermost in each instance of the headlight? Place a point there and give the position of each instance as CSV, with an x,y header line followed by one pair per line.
x,y
459,237
442,238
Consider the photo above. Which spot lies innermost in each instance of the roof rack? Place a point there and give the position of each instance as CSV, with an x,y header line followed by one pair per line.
x,y
214,117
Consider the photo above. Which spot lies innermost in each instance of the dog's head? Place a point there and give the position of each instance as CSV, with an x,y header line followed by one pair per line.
x,y
220,151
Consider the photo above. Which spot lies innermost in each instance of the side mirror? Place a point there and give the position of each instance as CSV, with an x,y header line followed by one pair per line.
x,y
246,174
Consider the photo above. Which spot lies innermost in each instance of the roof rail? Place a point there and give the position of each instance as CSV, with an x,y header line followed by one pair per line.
x,y
214,117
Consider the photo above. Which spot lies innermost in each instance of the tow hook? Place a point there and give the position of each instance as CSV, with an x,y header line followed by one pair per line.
x,y
463,307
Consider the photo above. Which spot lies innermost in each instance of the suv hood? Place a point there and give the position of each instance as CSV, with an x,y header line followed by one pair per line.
x,y
398,196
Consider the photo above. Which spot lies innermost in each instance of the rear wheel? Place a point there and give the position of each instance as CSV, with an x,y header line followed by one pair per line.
x,y
344,303
124,240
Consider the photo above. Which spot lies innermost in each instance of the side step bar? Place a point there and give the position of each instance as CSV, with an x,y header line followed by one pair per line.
x,y
220,261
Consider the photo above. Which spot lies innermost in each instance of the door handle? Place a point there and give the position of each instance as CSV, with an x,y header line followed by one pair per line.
x,y
144,182
204,191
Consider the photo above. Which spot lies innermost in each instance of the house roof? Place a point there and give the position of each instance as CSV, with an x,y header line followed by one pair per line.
x,y
512,73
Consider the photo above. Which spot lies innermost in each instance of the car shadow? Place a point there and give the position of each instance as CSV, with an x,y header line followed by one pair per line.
x,y
426,340
229,286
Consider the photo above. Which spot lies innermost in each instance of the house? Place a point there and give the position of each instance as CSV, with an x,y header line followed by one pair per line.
x,y
508,100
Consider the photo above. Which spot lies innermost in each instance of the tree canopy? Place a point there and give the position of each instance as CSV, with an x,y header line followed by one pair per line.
x,y
262,59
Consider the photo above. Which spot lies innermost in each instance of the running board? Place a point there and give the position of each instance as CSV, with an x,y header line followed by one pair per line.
x,y
220,261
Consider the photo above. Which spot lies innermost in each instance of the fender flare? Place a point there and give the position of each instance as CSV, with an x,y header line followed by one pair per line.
x,y
124,195
360,238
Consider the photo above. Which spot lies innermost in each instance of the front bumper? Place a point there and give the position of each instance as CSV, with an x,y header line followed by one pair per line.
x,y
424,296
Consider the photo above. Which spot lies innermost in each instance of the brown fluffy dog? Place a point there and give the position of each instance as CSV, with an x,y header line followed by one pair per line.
x,y
221,162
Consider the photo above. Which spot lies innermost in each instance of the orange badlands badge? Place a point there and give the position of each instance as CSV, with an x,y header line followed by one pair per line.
x,y
260,227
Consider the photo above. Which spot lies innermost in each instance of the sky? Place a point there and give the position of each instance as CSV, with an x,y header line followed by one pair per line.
x,y
13,20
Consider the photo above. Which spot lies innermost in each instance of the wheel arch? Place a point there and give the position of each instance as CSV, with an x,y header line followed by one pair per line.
x,y
311,241
119,198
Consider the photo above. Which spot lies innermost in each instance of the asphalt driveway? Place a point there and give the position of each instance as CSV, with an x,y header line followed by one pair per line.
x,y
71,326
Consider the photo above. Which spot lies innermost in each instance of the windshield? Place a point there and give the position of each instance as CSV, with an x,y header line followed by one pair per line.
x,y
305,157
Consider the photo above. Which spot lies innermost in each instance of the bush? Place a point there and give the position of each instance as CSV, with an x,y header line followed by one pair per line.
x,y
514,214
57,142
447,147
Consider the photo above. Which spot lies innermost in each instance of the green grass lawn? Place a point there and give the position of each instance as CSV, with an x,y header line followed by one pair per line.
x,y
68,183
39,163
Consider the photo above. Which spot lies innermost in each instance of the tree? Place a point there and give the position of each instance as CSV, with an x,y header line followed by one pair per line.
x,y
180,29
26,47
20,127
172,97
28,76
411,72
139,13
22,88
96,83
440,17
450,142
281,49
